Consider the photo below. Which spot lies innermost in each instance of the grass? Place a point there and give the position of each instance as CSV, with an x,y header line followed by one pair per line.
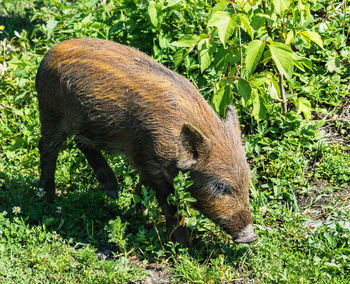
x,y
299,178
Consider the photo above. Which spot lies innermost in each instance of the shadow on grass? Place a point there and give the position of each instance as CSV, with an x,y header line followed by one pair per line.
x,y
84,214
77,214
15,23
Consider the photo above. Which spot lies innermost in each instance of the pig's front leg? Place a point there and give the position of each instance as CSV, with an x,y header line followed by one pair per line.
x,y
177,232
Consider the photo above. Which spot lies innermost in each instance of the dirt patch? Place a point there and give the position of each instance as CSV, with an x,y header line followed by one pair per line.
x,y
337,125
321,201
157,273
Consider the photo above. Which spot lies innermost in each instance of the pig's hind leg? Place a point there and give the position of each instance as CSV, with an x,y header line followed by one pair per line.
x,y
51,140
104,173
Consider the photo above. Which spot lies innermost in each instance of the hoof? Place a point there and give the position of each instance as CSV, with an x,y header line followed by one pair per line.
x,y
112,194
181,236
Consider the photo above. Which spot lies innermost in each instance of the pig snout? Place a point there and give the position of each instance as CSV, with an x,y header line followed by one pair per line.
x,y
245,236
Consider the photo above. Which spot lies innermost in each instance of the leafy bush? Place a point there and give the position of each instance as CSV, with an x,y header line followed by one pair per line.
x,y
35,254
116,233
334,167
181,198
254,36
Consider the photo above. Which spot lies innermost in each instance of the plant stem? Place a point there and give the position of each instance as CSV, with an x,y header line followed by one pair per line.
x,y
345,7
268,28
239,36
283,94
160,240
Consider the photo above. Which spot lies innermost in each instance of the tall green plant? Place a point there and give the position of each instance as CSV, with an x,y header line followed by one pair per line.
x,y
250,48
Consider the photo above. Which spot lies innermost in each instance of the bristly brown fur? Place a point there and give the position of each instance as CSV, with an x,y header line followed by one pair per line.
x,y
115,98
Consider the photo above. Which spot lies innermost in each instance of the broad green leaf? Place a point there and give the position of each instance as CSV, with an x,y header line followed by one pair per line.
x,y
225,24
224,58
163,41
259,21
304,106
259,107
217,98
333,63
189,199
203,36
221,99
273,92
220,6
345,52
298,65
91,3
246,25
282,55
245,2
236,21
58,4
137,198
152,12
258,79
306,62
309,36
323,27
179,57
20,72
170,3
301,62
253,52
244,89
204,54
50,26
281,6
187,41
289,37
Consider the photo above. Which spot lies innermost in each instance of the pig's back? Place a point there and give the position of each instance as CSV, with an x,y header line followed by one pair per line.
x,y
115,95
108,70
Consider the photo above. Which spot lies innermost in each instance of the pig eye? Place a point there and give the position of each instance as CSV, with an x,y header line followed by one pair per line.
x,y
223,188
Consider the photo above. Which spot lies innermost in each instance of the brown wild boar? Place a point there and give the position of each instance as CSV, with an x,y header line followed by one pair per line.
x,y
114,98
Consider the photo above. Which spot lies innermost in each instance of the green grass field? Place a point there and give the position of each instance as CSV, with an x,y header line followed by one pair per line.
x,y
300,188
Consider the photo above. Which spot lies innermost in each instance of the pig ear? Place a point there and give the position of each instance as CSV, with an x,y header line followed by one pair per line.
x,y
231,120
193,146
231,116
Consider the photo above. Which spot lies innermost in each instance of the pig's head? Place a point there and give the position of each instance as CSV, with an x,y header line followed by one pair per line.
x,y
221,176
